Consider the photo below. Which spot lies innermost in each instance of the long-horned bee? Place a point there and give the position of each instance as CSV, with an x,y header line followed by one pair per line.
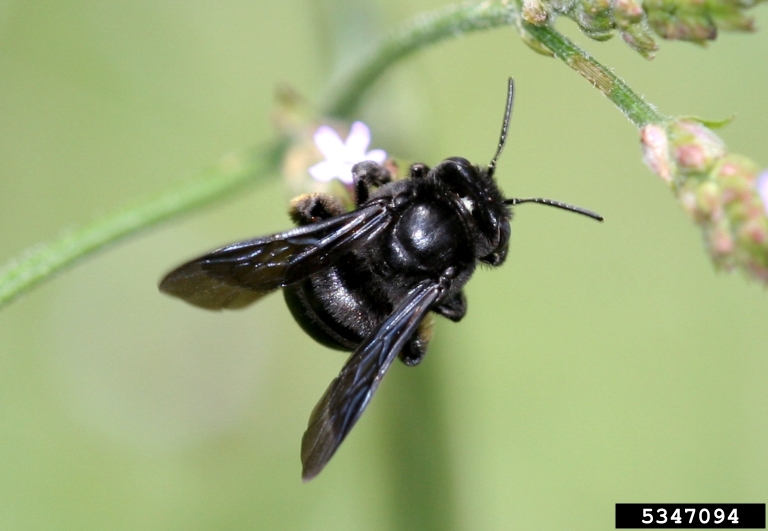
x,y
366,281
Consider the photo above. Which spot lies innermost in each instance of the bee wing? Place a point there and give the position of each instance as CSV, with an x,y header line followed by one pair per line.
x,y
349,393
239,274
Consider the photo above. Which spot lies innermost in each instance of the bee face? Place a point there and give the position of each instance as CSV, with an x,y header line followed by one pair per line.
x,y
478,201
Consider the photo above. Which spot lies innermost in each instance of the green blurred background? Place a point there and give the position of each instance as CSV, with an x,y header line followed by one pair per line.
x,y
601,364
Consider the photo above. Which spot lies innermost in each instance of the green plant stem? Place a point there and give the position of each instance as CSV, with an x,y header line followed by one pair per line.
x,y
422,31
630,103
43,261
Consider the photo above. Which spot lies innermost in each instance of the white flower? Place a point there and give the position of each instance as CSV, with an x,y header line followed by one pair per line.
x,y
341,156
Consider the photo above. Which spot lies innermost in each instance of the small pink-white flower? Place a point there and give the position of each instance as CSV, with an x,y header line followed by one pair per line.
x,y
340,156
762,189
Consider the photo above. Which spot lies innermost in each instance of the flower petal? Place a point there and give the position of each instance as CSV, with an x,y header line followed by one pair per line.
x,y
323,171
345,174
329,143
376,155
357,142
328,170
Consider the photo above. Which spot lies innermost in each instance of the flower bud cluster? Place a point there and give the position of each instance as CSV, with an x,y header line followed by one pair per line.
x,y
721,192
688,20
696,20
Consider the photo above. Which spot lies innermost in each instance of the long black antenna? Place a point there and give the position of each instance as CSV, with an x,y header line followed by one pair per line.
x,y
557,204
504,127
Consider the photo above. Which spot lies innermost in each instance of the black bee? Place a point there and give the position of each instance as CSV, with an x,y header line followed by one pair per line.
x,y
365,281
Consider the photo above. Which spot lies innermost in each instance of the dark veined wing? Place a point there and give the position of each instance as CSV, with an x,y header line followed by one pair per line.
x,y
351,391
241,273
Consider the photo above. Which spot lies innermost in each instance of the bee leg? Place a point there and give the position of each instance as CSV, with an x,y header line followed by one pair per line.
x,y
366,174
311,208
416,348
453,308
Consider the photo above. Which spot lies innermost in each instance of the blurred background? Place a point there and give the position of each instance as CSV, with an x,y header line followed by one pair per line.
x,y
602,364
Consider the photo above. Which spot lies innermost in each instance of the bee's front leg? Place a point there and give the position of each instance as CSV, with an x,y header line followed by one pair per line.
x,y
366,174
311,208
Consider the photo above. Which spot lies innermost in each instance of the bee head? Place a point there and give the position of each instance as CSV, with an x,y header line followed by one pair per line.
x,y
475,194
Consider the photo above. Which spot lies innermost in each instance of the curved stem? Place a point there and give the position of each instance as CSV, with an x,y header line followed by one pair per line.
x,y
45,260
422,31
631,104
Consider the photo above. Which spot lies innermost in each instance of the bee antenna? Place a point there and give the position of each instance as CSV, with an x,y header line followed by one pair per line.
x,y
557,204
504,127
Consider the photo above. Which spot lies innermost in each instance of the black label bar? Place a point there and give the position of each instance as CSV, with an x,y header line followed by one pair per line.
x,y
690,515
